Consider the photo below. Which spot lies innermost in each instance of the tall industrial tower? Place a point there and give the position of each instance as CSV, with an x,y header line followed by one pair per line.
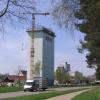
x,y
41,52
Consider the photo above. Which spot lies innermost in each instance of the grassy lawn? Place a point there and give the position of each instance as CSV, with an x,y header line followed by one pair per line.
x,y
90,95
43,96
9,89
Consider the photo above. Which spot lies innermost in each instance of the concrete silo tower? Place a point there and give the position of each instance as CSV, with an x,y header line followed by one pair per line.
x,y
41,54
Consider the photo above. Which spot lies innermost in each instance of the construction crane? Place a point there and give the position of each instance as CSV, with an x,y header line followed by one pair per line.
x,y
33,18
33,28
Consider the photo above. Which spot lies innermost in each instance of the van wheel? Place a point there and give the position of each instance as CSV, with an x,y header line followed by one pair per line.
x,y
24,90
31,90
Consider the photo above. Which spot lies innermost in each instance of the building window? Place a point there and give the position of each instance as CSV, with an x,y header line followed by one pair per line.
x,y
48,38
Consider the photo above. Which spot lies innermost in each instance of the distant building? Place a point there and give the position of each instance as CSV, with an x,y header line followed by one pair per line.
x,y
67,67
12,78
72,74
61,69
22,73
64,68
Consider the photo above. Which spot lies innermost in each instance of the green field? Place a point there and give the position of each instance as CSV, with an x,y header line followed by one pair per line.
x,y
9,89
43,96
90,95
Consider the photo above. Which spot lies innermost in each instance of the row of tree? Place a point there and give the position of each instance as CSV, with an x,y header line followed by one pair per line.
x,y
66,77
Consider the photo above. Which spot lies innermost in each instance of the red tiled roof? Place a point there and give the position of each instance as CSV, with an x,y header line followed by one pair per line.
x,y
16,77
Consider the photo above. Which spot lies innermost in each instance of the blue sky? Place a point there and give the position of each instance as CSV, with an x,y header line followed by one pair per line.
x,y
66,43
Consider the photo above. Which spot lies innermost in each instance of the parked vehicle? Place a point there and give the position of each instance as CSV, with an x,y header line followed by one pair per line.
x,y
38,83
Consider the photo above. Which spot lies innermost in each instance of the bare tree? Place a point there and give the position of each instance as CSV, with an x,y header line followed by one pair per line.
x,y
18,74
12,10
63,12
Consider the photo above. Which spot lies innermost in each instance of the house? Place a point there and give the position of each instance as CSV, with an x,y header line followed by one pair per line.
x,y
11,80
23,73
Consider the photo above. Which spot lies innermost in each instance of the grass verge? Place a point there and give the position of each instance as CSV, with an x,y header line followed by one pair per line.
x,y
10,89
43,96
89,95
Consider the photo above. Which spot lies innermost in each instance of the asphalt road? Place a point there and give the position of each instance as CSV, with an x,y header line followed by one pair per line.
x,y
15,94
22,93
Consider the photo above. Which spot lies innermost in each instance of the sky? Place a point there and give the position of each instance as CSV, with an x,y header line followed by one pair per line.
x,y
14,45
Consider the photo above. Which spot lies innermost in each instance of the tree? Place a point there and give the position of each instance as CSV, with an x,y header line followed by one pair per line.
x,y
85,14
58,76
2,77
66,78
62,78
63,12
89,14
18,75
79,76
12,10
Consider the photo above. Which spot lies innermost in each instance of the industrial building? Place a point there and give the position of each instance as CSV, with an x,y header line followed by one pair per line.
x,y
41,54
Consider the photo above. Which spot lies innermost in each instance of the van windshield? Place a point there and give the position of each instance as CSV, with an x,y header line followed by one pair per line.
x,y
29,83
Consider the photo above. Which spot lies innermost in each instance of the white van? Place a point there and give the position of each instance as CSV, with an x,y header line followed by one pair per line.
x,y
37,83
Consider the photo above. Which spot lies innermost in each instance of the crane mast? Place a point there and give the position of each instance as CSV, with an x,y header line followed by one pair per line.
x,y
33,28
